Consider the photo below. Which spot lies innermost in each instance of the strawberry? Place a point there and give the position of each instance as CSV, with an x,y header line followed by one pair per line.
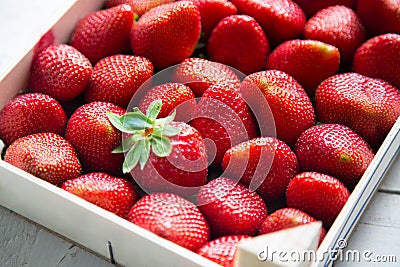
x,y
222,250
339,26
265,164
139,7
336,150
199,74
211,12
310,7
308,61
290,106
369,106
161,154
319,195
379,57
111,193
280,19
230,208
116,79
287,218
387,11
60,71
94,137
104,33
31,113
167,34
223,116
173,218
247,53
45,155
174,96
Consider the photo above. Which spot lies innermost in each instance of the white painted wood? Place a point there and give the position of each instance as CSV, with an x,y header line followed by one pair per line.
x,y
25,244
391,183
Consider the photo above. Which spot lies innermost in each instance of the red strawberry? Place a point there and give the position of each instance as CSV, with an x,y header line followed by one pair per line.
x,y
290,106
380,16
287,218
369,106
171,217
94,137
280,19
339,26
199,74
308,61
336,150
266,164
116,79
167,34
319,195
139,7
310,7
223,116
211,12
171,156
60,71
31,113
45,155
111,193
104,33
379,57
247,53
222,250
174,96
230,208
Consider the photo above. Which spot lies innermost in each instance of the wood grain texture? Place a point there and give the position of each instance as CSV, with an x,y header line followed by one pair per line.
x,y
25,244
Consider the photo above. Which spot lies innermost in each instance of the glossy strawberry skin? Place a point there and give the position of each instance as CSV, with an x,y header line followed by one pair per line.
x,y
139,7
171,217
116,79
308,61
104,33
181,172
319,195
174,96
339,26
167,34
387,11
31,113
223,116
60,71
230,208
291,108
94,137
222,250
199,74
248,53
379,57
287,218
212,12
310,7
111,193
336,150
266,161
368,106
280,19
45,155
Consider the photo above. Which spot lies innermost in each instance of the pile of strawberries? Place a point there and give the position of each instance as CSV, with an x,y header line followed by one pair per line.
x,y
269,120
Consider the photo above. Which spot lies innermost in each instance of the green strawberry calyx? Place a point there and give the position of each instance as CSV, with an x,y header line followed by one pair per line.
x,y
146,134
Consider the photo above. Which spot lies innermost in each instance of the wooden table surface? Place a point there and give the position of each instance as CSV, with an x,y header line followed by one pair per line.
x,y
22,243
